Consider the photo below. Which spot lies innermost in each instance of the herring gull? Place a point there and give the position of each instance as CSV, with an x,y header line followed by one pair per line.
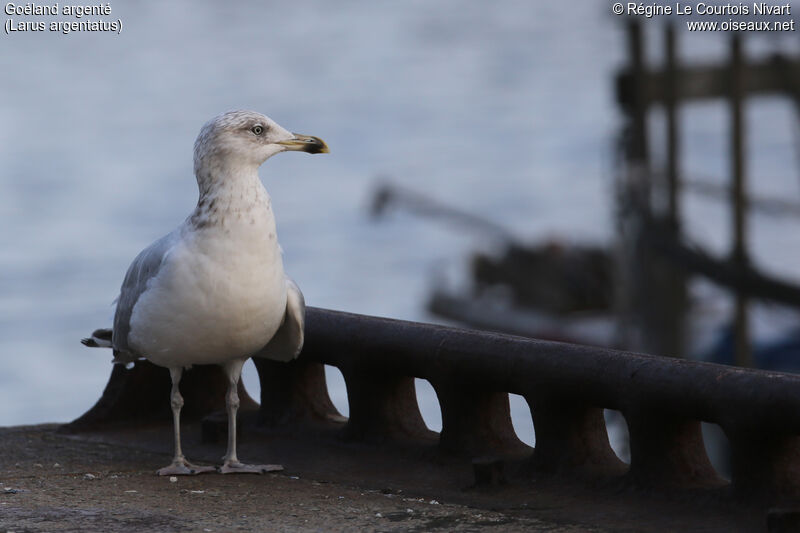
x,y
213,291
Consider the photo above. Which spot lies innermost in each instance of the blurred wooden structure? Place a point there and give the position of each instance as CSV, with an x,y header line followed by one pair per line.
x,y
656,259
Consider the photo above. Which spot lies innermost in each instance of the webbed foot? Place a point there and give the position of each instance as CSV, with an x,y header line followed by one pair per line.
x,y
181,467
231,467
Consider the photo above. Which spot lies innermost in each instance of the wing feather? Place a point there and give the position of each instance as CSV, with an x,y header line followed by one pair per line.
x,y
287,342
144,268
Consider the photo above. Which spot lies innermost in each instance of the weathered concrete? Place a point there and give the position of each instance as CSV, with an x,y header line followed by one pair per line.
x,y
106,482
55,483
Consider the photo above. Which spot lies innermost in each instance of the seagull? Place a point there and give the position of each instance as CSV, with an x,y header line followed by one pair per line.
x,y
213,291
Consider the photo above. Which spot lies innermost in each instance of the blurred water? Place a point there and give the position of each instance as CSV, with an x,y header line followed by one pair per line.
x,y
503,108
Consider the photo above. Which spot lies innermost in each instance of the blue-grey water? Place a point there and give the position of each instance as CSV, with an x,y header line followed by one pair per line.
x,y
504,108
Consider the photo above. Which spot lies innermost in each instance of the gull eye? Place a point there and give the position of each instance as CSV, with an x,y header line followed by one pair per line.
x,y
258,129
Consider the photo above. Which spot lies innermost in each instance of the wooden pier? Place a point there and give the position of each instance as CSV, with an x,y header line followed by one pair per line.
x,y
658,259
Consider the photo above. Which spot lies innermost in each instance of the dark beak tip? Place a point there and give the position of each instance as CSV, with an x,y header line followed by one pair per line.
x,y
317,146
307,143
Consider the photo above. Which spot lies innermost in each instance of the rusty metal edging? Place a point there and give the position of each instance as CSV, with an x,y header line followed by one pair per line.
x,y
598,376
566,386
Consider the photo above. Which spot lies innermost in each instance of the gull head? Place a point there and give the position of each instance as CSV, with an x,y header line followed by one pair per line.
x,y
243,140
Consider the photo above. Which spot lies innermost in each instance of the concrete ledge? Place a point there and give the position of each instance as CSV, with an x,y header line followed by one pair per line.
x,y
106,482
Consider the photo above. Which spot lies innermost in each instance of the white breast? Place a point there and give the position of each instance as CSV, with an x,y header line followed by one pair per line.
x,y
219,295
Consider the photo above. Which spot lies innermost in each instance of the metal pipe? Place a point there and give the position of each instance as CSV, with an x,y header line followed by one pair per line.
x,y
593,376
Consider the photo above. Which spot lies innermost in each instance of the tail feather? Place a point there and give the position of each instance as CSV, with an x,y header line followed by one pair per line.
x,y
101,338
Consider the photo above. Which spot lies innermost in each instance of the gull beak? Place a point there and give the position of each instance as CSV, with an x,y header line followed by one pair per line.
x,y
306,143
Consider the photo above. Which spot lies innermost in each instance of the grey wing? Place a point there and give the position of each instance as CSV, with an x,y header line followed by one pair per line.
x,y
287,342
144,267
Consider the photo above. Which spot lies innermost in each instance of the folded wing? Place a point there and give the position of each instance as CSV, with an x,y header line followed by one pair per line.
x,y
287,342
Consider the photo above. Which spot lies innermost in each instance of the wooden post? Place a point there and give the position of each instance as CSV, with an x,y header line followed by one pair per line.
x,y
743,357
671,280
637,192
670,108
639,146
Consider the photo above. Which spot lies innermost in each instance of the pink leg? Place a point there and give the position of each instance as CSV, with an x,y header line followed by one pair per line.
x,y
179,466
232,465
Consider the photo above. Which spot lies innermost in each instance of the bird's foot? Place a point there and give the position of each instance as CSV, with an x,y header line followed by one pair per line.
x,y
181,467
235,467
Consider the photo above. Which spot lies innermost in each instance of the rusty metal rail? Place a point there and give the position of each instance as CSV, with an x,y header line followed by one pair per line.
x,y
566,386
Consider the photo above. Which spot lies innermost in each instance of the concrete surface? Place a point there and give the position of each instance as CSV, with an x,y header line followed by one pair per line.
x,y
106,482
54,483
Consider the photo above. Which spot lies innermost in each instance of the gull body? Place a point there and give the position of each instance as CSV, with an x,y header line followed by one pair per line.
x,y
220,292
213,291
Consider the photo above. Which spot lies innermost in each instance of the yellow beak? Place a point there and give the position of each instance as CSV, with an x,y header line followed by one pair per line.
x,y
306,143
